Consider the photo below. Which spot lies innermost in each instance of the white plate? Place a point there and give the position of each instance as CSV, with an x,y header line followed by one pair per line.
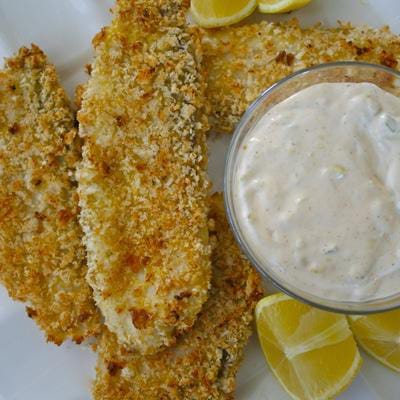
x,y
30,369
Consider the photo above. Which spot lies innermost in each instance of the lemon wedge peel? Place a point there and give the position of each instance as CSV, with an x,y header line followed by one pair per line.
x,y
337,333
200,8
280,6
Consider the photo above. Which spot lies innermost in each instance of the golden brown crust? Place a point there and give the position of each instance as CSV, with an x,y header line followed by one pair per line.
x,y
243,61
204,362
42,261
143,183
79,91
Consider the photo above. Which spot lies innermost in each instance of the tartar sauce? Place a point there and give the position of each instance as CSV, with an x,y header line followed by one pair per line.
x,y
317,191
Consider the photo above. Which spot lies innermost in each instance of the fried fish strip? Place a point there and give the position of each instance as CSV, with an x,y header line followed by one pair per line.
x,y
143,184
243,61
204,362
42,260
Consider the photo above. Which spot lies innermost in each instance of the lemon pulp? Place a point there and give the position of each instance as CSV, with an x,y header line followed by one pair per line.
x,y
311,352
379,336
214,13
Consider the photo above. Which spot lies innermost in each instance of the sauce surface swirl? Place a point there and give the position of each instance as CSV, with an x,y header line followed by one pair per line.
x,y
317,191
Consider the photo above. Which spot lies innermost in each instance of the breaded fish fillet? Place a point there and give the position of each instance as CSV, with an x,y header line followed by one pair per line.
x,y
205,360
42,260
143,184
243,61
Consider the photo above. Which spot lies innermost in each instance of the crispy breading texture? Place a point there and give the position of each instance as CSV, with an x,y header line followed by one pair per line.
x,y
143,185
243,61
42,260
204,362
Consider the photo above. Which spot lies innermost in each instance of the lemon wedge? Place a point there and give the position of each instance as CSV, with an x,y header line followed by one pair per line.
x,y
311,352
379,336
214,13
280,6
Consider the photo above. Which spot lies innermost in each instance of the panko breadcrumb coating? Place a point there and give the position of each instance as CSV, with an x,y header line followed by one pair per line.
x,y
42,260
204,362
143,185
243,61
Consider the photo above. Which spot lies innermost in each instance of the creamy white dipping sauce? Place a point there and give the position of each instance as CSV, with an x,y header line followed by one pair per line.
x,y
316,191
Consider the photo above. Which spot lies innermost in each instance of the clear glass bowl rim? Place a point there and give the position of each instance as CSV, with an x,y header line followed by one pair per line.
x,y
345,307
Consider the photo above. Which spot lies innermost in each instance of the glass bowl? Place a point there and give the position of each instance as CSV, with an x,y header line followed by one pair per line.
x,y
381,76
